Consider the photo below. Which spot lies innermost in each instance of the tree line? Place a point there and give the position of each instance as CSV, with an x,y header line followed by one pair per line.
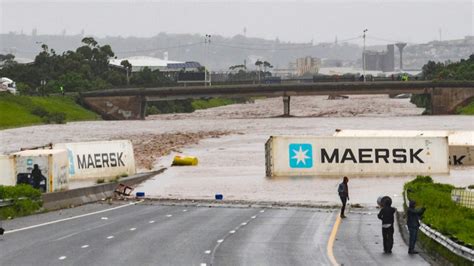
x,y
462,70
86,68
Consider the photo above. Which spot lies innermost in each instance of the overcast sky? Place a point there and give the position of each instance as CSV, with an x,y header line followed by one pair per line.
x,y
296,21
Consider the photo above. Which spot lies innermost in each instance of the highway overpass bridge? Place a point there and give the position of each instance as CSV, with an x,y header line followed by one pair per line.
x,y
130,103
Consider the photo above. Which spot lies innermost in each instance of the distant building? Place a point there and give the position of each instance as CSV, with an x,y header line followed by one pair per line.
x,y
307,65
140,62
381,61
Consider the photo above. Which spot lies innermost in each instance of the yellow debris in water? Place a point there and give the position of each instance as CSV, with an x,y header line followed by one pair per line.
x,y
185,160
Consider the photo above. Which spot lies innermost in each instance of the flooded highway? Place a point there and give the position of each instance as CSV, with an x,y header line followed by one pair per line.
x,y
234,165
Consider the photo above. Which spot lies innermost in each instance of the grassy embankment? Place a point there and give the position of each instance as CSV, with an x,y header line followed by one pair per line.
x,y
17,111
24,199
442,213
467,110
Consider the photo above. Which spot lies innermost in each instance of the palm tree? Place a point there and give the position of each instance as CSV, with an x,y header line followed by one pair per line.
x,y
259,66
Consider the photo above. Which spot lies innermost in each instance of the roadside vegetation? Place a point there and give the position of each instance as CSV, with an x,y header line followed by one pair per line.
x,y
22,200
17,110
442,214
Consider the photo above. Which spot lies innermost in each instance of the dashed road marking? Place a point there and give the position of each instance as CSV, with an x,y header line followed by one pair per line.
x,y
71,218
207,252
104,218
220,240
85,246
262,211
185,210
232,232
253,217
62,258
151,221
243,224
110,237
133,229
169,215
203,264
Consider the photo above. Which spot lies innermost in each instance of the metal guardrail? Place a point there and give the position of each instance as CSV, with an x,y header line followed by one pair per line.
x,y
6,202
449,244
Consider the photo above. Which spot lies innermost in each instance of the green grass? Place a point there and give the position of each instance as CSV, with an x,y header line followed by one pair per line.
x,y
467,110
15,111
26,200
442,214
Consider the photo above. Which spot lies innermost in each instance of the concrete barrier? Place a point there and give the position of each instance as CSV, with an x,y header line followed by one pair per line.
x,y
79,196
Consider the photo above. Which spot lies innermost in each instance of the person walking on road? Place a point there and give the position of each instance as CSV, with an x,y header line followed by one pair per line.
x,y
343,191
413,223
386,214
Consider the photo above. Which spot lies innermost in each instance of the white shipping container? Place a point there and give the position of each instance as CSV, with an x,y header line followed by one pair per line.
x,y
7,173
52,163
99,159
461,143
313,156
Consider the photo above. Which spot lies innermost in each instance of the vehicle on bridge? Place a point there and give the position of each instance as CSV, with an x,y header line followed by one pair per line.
x,y
7,85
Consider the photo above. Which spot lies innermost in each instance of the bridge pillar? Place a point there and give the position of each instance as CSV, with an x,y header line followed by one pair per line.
x,y
286,106
446,101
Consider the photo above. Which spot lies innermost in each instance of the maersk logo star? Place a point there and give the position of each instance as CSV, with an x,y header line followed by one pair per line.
x,y
301,155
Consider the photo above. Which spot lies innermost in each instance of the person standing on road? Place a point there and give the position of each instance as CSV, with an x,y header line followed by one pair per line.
x,y
413,223
386,214
343,191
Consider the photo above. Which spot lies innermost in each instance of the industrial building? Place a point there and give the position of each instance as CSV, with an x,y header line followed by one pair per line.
x,y
153,63
307,65
381,61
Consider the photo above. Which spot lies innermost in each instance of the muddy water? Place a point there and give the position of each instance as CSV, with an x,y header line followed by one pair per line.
x,y
235,166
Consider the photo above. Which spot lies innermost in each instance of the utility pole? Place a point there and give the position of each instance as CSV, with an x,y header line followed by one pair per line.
x,y
363,56
207,43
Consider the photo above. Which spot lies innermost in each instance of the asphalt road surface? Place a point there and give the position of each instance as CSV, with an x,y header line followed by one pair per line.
x,y
156,234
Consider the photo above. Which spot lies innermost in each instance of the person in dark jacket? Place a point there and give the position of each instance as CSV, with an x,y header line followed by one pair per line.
x,y
343,191
413,223
37,176
386,214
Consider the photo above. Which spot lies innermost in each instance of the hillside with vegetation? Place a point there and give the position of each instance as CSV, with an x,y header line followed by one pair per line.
x,y
86,68
462,70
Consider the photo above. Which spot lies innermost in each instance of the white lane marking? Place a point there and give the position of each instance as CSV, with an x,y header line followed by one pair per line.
x,y
71,218
169,215
151,221
62,258
133,229
253,217
232,232
243,224
220,240
203,264
85,246
262,211
207,252
104,218
185,210
110,237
